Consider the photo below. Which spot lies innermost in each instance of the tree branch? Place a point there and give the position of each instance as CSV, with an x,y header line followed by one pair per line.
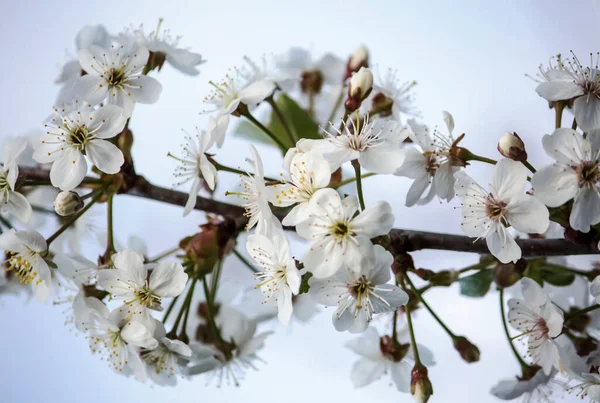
x,y
401,240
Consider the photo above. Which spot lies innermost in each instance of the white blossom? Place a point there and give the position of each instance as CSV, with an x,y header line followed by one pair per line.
x,y
25,251
574,81
128,280
114,77
376,144
540,387
487,214
575,175
72,135
195,167
540,321
399,92
11,201
165,359
358,294
309,172
374,362
336,235
430,165
279,278
181,59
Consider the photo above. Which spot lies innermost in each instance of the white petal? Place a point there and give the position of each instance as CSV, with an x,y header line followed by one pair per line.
x,y
392,296
105,156
586,209
366,371
256,92
168,279
383,159
19,206
401,375
558,90
138,335
587,112
109,120
449,120
508,179
191,201
377,219
132,264
91,88
323,258
555,184
528,214
68,171
417,188
502,245
144,89
285,306
595,289
209,172
328,291
413,164
567,146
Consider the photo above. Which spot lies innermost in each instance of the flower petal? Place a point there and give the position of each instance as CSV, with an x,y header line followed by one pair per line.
x,y
168,279
68,171
105,156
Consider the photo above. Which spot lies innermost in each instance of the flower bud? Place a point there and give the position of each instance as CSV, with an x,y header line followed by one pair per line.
x,y
444,278
420,386
361,85
511,146
67,203
509,273
311,81
467,350
382,104
358,59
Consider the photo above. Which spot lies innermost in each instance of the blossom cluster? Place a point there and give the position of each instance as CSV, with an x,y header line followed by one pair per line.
x,y
155,318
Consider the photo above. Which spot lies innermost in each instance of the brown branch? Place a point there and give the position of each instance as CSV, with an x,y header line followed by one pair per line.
x,y
401,240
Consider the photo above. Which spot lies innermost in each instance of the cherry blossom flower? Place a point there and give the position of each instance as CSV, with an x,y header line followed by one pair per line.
x,y
279,279
165,359
82,132
575,175
25,251
128,280
574,81
376,144
166,45
540,387
119,335
309,172
256,196
336,234
431,166
310,72
241,331
488,214
11,201
540,321
381,355
360,293
195,167
399,92
114,77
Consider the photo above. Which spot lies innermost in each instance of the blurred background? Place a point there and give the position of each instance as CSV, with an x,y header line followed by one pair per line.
x,y
469,58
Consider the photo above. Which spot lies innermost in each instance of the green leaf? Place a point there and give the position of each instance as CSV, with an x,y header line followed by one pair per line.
x,y
298,120
533,272
555,275
478,284
304,287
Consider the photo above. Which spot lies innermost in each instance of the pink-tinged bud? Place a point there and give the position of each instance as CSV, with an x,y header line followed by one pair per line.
x,y
511,146
467,350
358,59
361,85
420,385
67,203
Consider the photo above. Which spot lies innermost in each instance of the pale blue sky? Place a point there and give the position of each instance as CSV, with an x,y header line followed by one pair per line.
x,y
468,58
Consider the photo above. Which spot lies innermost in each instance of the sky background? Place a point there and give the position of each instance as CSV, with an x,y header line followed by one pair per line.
x,y
468,58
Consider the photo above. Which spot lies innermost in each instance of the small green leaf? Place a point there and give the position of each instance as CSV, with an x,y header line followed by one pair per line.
x,y
304,286
478,284
298,120
556,275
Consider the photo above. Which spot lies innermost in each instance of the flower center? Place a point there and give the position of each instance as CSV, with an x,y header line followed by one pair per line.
x,y
78,137
431,163
21,267
3,181
496,210
145,297
588,173
340,230
116,77
360,290
311,81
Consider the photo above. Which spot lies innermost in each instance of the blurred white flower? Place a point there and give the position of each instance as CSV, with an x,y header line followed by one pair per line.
x,y
540,387
72,135
488,214
11,201
399,92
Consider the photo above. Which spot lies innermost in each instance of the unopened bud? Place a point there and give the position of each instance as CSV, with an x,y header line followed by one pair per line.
x,y
511,146
382,104
509,273
67,203
467,350
420,385
402,263
311,81
444,278
358,59
361,85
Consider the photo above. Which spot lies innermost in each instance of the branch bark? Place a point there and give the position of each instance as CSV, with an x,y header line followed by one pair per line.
x,y
402,240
